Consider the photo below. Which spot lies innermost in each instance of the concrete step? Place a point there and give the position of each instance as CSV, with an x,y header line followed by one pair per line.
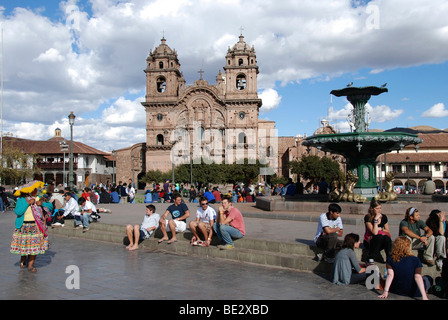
x,y
290,255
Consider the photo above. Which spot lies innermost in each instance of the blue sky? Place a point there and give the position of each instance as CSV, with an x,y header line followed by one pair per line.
x,y
88,57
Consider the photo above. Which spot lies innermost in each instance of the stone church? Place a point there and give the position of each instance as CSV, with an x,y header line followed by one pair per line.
x,y
213,123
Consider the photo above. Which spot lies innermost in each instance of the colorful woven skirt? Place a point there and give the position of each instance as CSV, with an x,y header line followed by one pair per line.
x,y
28,240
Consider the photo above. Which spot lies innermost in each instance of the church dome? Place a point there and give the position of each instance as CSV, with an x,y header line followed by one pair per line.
x,y
241,46
163,49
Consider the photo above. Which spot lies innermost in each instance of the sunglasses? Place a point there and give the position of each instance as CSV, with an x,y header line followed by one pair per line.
x,y
205,203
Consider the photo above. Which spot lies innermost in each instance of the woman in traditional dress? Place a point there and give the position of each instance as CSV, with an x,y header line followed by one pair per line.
x,y
30,237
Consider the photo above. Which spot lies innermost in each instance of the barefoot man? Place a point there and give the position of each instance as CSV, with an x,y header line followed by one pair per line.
x,y
179,213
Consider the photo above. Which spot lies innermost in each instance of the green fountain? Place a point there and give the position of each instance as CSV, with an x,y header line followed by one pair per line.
x,y
360,147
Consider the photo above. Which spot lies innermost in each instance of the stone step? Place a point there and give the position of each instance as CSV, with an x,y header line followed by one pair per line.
x,y
290,255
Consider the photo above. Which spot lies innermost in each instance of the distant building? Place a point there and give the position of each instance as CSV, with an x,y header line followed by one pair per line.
x,y
430,161
216,122
90,165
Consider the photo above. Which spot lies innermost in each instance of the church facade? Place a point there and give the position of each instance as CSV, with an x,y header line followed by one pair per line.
x,y
206,122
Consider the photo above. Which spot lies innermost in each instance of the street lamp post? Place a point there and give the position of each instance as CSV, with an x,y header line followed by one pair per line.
x,y
71,121
64,149
407,170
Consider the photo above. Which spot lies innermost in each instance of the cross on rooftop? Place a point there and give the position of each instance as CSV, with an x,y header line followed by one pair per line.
x,y
201,72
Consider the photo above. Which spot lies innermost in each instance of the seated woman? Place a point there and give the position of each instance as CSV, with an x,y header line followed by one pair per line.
x,y
377,234
346,268
404,272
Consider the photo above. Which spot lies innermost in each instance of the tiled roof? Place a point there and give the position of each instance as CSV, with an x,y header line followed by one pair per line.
x,y
50,146
435,142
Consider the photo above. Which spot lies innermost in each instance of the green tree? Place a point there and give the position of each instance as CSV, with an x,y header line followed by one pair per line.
x,y
16,166
208,173
313,168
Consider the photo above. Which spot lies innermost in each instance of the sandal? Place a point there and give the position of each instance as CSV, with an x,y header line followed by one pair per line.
x,y
32,269
22,265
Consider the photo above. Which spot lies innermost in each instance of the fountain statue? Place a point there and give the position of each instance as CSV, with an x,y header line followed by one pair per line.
x,y
360,147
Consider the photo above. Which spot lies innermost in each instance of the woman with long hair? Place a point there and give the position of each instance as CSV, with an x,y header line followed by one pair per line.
x,y
30,236
346,268
404,272
377,234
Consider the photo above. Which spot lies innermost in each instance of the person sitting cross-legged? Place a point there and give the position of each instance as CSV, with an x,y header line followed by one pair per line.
x,y
205,218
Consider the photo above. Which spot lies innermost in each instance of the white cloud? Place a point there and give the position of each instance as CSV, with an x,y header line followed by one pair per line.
x,y
383,113
52,68
125,112
436,111
379,114
270,98
51,55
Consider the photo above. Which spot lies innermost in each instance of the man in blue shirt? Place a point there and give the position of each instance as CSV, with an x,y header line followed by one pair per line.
x,y
179,213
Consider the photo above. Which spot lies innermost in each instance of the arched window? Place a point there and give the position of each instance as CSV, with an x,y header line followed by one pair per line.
x,y
242,138
160,139
241,82
240,62
160,65
161,84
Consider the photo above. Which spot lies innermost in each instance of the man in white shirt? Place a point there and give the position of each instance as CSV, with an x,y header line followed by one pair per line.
x,y
205,217
141,232
70,211
88,209
329,229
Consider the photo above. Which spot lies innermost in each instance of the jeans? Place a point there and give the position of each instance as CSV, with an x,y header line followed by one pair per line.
x,y
226,233
82,219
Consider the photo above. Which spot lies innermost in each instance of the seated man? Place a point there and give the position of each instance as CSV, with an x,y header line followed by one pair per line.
x,y
68,212
329,229
141,232
205,217
411,227
83,219
179,213
229,224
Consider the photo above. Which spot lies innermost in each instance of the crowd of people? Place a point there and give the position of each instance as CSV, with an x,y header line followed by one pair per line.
x,y
404,270
239,193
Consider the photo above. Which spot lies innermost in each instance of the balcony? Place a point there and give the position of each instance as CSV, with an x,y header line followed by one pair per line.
x,y
56,166
413,175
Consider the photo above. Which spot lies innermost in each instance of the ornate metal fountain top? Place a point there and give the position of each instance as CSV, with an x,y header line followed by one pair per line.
x,y
358,97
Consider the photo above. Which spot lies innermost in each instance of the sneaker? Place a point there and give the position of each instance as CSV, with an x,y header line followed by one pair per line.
x,y
85,229
430,263
57,224
328,260
439,264
79,226
226,247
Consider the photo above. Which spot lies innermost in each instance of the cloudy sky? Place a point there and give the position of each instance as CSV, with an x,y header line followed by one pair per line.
x,y
88,57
